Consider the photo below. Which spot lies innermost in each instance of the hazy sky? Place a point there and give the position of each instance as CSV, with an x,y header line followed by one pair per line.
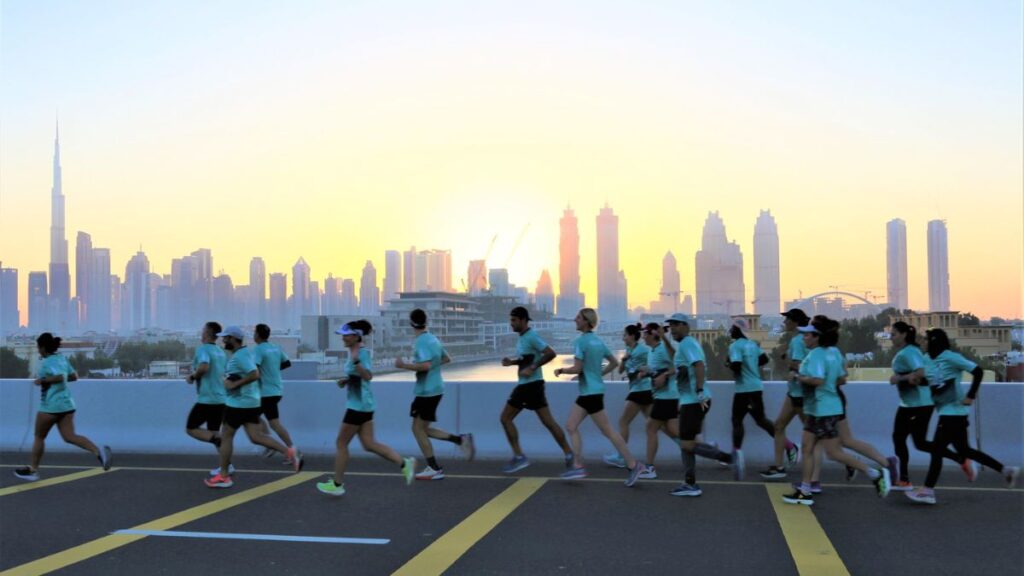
x,y
337,130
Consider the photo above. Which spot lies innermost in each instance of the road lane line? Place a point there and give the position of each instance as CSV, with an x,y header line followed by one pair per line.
x,y
113,541
810,547
269,537
447,549
53,481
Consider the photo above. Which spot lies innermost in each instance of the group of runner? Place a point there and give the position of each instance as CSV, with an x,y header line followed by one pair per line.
x,y
666,369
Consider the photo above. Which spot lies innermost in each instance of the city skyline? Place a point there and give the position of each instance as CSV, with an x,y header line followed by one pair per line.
x,y
429,143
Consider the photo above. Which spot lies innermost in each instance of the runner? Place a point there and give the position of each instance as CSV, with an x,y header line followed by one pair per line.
x,y
242,407
694,403
745,361
270,360
944,369
359,411
56,407
531,354
588,357
664,414
793,405
428,357
916,406
639,399
819,374
208,374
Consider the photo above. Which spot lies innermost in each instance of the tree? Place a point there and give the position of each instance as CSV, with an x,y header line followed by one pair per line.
x,y
11,366
134,357
83,364
717,355
968,319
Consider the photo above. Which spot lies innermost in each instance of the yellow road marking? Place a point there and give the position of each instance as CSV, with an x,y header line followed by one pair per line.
x,y
812,551
108,543
52,481
440,555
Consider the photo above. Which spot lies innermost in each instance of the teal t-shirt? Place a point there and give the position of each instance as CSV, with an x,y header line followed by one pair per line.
x,y
210,387
530,347
427,348
797,353
637,357
826,364
948,366
268,358
360,397
689,352
910,359
240,364
592,351
746,352
658,361
56,398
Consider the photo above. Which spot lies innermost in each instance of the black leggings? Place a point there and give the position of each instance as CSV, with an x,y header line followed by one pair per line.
x,y
914,422
953,430
752,403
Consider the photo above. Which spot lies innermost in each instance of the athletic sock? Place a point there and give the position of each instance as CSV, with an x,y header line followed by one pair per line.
x,y
432,462
455,439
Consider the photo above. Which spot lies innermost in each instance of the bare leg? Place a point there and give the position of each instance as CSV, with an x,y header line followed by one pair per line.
x,y
572,426
370,444
629,412
345,435
508,415
227,448
256,436
601,420
863,448
544,414
419,432
281,431
44,422
66,426
786,414
652,439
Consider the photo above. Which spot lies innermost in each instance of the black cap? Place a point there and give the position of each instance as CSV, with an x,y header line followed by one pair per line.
x,y
520,312
797,315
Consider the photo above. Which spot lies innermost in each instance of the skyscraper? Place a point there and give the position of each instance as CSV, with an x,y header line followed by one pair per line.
x,y
544,294
369,294
767,290
498,279
392,275
83,266
136,303
99,303
611,282
668,296
896,263
439,270
257,291
38,303
476,277
60,277
409,279
332,296
570,300
349,304
10,317
938,267
302,302
223,305
278,304
203,288
719,264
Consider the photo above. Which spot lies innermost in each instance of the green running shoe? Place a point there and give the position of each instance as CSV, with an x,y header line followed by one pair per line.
x,y
409,469
331,488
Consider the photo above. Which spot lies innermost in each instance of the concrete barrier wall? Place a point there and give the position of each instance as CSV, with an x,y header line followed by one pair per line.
x,y
149,416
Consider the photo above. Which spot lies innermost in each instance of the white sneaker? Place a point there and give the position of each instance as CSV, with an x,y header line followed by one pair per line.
x,y
429,473
648,473
468,447
1011,474
215,471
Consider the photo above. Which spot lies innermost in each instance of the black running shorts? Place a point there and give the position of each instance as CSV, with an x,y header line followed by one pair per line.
x,y
665,410
592,403
268,405
644,398
425,407
356,417
209,414
823,427
238,417
691,420
529,396
796,402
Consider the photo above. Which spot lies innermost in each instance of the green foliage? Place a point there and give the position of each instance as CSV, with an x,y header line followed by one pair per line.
x,y
717,354
968,319
11,366
83,364
134,357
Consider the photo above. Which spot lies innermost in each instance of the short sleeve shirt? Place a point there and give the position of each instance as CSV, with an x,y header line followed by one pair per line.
x,y
747,353
908,360
240,364
268,358
946,367
427,348
689,352
56,398
638,357
210,388
530,347
658,361
822,400
797,352
592,352
360,396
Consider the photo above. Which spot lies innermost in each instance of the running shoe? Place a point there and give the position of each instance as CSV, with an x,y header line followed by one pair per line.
x,y
569,458
105,457
882,483
971,469
774,473
902,486
691,490
799,497
26,473
516,464
922,496
215,471
1011,474
575,473
792,453
331,488
409,469
815,487
894,466
634,474
851,473
429,473
739,465
614,459
468,447
648,473
296,457
219,481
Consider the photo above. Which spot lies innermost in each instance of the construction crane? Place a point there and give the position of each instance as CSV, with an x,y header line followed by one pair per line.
x,y
481,278
516,245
